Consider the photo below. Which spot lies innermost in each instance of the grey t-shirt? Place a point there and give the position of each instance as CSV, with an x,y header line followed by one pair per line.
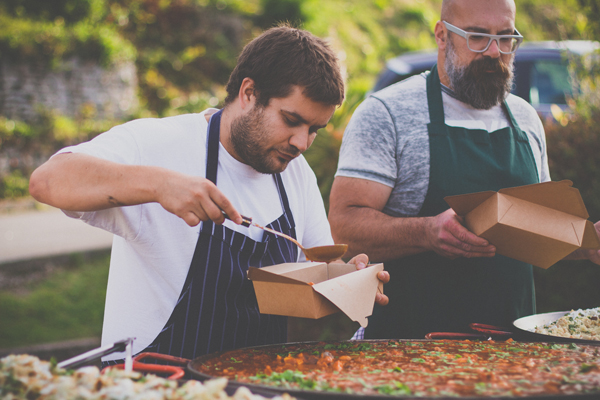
x,y
386,140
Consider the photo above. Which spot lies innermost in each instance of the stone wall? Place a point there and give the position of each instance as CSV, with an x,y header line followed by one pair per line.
x,y
25,89
72,89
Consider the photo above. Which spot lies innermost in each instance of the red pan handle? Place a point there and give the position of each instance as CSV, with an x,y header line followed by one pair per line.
x,y
176,372
456,336
164,357
491,329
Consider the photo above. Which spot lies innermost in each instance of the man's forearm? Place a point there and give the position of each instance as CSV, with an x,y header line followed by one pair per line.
x,y
379,235
78,182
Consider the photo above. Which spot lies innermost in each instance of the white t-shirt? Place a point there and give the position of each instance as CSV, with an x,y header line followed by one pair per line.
x,y
152,248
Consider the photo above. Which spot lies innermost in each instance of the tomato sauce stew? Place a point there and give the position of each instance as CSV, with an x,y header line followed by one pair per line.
x,y
415,368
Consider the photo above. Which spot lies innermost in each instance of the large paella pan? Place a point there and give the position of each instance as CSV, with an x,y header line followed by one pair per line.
x,y
378,369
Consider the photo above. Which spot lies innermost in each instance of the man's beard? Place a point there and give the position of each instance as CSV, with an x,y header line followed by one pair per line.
x,y
474,85
248,135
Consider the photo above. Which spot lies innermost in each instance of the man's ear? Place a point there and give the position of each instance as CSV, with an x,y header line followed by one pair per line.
x,y
440,33
246,95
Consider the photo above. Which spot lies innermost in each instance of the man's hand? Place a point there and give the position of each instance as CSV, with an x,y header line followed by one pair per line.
x,y
195,199
449,238
589,254
361,261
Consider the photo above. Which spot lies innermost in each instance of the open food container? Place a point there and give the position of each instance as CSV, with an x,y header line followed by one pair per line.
x,y
314,290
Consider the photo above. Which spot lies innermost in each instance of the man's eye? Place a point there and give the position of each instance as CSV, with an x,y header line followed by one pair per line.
x,y
477,38
290,122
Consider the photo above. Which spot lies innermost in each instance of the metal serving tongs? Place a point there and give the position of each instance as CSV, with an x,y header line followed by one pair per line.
x,y
317,253
82,359
131,363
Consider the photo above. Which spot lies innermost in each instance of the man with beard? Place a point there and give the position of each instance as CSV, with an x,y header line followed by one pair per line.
x,y
177,280
454,130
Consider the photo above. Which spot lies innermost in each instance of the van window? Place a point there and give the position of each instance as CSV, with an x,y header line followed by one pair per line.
x,y
550,83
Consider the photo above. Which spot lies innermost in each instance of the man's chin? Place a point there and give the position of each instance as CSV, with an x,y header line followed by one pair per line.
x,y
275,167
280,166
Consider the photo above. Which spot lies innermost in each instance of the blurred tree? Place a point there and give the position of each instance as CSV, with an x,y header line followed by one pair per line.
x,y
70,11
591,9
51,32
186,48
272,12
548,20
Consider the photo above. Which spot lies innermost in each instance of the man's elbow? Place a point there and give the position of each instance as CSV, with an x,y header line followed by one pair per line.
x,y
39,188
339,230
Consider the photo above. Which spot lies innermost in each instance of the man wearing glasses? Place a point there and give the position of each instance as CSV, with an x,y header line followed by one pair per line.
x,y
454,130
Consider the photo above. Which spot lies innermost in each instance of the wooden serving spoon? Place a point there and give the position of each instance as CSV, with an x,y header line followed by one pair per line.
x,y
317,253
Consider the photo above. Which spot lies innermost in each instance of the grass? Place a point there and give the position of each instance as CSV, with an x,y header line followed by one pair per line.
x,y
67,304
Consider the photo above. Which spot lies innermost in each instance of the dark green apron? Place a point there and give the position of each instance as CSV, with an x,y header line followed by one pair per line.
x,y
431,293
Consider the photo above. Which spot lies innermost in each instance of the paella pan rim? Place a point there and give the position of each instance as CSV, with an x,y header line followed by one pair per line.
x,y
300,394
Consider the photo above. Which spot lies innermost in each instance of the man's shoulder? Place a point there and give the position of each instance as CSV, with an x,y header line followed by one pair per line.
x,y
404,90
519,105
182,119
525,115
405,101
148,129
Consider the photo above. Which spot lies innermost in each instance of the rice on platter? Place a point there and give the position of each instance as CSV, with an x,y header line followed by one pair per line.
x,y
580,324
28,377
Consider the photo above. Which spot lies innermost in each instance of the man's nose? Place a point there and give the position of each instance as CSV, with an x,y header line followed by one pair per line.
x,y
493,49
301,140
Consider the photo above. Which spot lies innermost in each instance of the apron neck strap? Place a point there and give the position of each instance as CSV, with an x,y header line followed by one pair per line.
x,y
212,150
434,97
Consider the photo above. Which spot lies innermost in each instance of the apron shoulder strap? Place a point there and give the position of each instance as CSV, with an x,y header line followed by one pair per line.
x,y
212,147
434,97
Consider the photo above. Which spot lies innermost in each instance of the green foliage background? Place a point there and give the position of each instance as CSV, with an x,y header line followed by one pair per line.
x,y
184,51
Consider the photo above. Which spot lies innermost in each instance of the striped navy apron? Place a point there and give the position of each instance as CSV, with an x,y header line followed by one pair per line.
x,y
217,308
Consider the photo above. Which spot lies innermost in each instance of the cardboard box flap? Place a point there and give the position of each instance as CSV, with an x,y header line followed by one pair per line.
x,y
560,196
590,237
286,273
338,269
464,203
353,293
257,274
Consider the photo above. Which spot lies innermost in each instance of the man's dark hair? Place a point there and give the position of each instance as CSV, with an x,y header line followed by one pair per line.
x,y
282,57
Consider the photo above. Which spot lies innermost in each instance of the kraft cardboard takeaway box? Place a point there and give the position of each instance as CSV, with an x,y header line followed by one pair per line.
x,y
539,224
314,290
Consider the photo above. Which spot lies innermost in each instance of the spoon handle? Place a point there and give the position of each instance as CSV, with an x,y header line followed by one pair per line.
x,y
247,221
273,231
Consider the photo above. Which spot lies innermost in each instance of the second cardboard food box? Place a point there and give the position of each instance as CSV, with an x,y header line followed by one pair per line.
x,y
538,224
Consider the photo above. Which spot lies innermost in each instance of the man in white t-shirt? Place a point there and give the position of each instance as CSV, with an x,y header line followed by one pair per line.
x,y
454,130
177,280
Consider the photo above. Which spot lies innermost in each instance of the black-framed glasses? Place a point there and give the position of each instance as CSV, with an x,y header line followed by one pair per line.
x,y
480,42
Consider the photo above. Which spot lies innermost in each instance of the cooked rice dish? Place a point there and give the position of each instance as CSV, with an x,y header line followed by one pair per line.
x,y
580,324
28,377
